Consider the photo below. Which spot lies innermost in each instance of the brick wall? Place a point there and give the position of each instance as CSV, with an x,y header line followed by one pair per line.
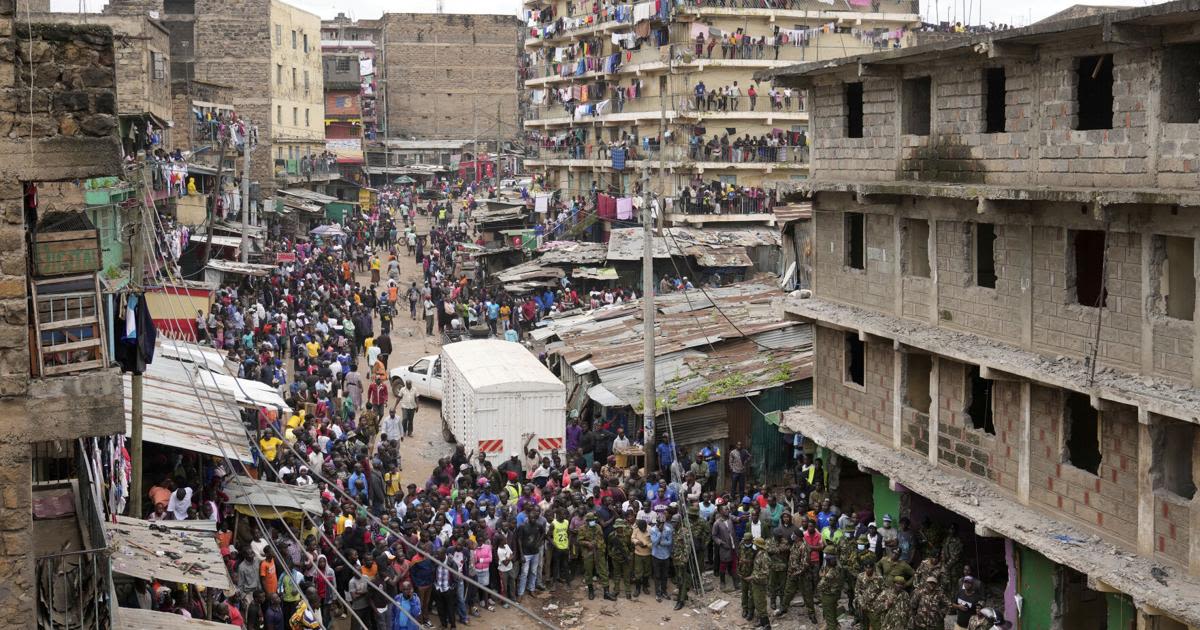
x,y
1108,500
963,447
962,303
1172,527
871,157
868,407
448,73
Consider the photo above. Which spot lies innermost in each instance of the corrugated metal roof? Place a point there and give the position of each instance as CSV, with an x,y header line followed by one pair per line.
x,y
270,495
573,253
157,551
627,244
141,619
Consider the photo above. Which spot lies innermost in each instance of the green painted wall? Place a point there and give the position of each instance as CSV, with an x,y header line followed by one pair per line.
x,y
886,500
1036,589
769,447
1121,613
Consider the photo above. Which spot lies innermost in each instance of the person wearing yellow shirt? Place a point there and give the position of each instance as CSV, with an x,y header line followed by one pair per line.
x,y
296,420
375,264
313,348
269,445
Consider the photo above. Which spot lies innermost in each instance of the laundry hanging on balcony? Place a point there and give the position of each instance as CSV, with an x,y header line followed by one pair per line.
x,y
135,335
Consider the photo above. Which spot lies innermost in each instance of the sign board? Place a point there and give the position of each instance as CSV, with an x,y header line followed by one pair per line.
x,y
285,257
60,253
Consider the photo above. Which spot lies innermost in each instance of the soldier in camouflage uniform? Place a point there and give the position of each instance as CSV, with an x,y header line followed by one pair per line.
x,y
702,535
829,591
930,606
984,619
930,567
681,559
799,578
745,567
760,581
853,555
896,606
868,588
620,552
592,552
777,550
952,550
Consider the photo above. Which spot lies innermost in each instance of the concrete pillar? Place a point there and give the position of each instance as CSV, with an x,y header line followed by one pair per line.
x,y
1195,320
935,373
1023,437
1027,292
1147,349
897,396
934,301
18,590
1145,502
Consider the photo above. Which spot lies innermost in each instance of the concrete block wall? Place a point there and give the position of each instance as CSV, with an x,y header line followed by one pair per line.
x,y
1040,145
870,158
1172,527
868,407
1062,325
448,73
1108,500
965,448
871,287
964,305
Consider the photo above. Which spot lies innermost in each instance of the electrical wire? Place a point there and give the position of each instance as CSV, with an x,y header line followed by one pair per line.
x,y
335,487
226,459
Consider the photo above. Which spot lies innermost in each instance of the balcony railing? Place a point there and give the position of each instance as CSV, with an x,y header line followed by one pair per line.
x,y
727,154
316,168
74,589
676,104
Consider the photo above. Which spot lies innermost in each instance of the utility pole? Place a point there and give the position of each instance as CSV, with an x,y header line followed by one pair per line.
x,y
475,138
649,399
212,207
496,163
245,247
136,274
662,149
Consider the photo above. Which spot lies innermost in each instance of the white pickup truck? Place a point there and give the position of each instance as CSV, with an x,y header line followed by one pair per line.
x,y
425,375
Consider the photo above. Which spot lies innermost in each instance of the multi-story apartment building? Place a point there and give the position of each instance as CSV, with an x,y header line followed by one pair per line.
x,y
55,384
269,54
361,37
348,69
612,75
1004,295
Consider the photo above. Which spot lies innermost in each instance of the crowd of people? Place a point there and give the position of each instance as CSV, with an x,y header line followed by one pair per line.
x,y
396,548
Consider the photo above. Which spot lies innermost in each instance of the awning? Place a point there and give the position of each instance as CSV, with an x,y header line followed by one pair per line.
x,y
219,241
245,269
153,551
173,414
271,497
141,619
594,273
601,395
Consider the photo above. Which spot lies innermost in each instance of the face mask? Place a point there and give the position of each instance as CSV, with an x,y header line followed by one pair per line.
x,y
861,547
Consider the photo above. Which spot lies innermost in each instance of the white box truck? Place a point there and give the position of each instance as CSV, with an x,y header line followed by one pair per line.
x,y
497,397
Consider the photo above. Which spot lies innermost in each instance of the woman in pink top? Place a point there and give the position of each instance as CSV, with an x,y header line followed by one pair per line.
x,y
481,562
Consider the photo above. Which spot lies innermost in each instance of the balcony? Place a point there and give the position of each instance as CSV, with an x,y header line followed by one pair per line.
x,y
73,587
306,170
696,158
646,110
615,23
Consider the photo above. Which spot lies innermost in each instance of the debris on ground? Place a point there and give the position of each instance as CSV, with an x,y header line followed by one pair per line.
x,y
718,605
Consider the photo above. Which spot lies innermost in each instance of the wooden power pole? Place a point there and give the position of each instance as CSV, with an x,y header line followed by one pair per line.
x,y
136,275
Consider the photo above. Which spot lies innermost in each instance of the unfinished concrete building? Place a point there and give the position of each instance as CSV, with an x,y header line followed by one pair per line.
x,y
1004,293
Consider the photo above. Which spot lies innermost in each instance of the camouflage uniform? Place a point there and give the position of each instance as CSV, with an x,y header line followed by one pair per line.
x,y
852,561
929,607
799,578
979,622
829,590
777,550
620,552
760,578
890,569
681,558
702,535
929,570
745,567
867,589
897,610
592,551
952,550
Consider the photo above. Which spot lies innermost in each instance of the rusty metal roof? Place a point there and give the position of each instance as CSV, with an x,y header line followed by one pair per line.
x,y
627,244
572,253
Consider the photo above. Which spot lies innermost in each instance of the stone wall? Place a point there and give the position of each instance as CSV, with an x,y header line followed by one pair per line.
x,y
71,135
447,74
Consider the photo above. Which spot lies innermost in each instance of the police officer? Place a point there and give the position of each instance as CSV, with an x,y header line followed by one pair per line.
x,y
930,605
778,552
745,567
829,590
681,559
799,577
853,555
592,552
867,589
620,553
760,578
